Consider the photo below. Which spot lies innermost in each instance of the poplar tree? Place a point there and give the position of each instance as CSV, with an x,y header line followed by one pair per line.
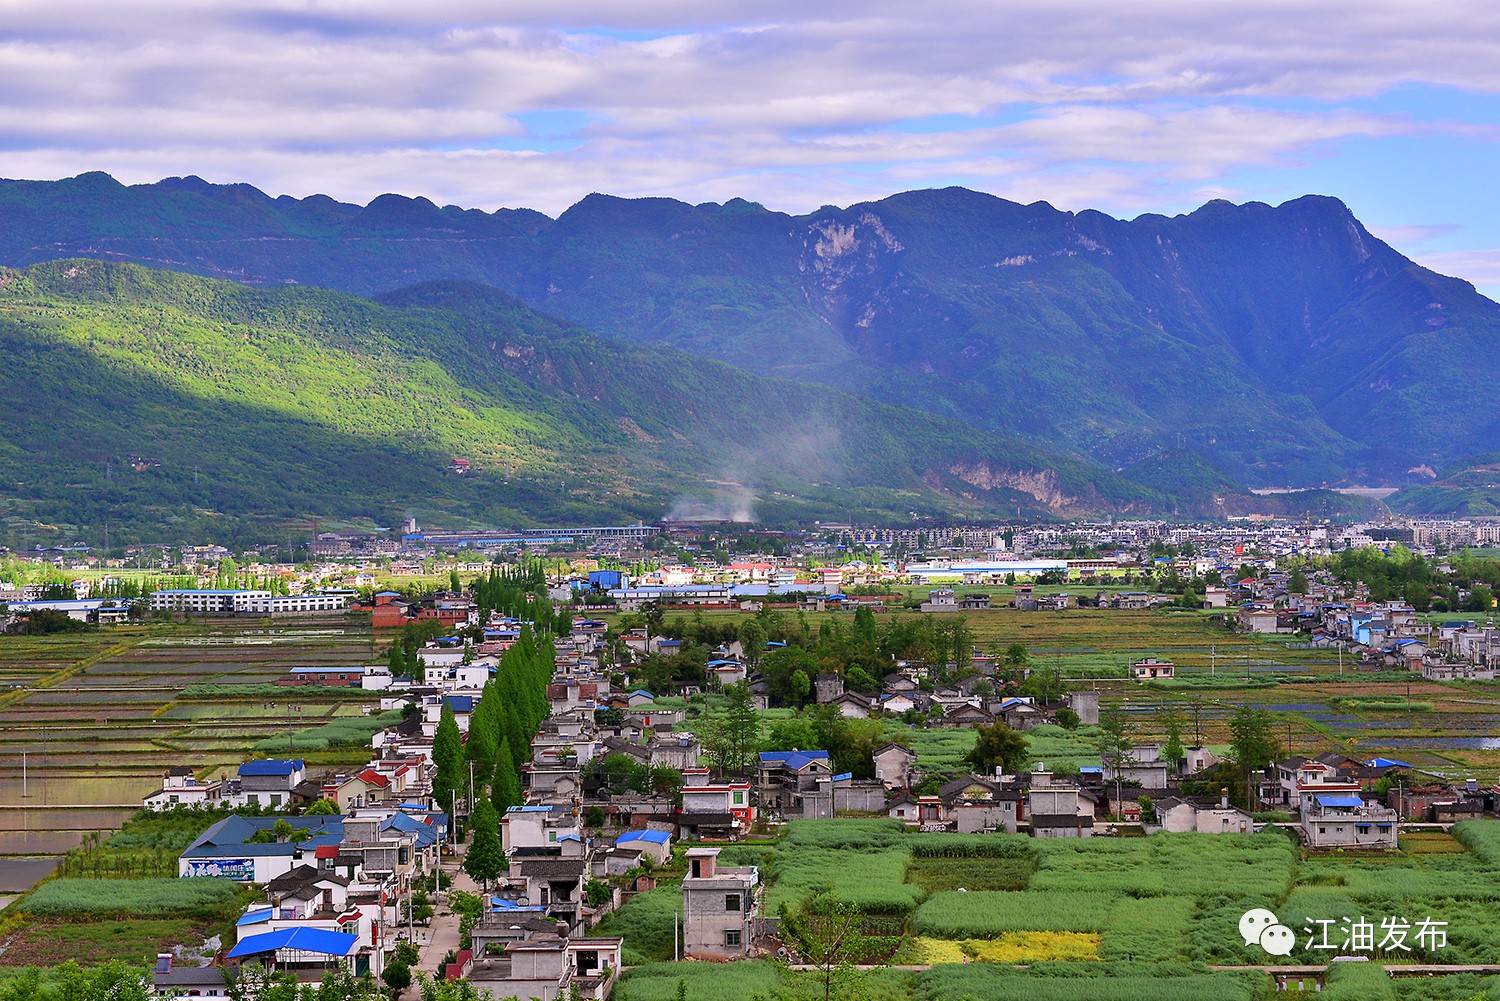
x,y
448,756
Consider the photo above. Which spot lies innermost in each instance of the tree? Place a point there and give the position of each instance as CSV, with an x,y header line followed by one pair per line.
x,y
397,977
1297,583
741,726
1067,718
324,807
798,686
597,893
447,755
752,641
1481,599
1252,739
828,934
1148,810
1171,722
505,786
999,745
1114,744
485,859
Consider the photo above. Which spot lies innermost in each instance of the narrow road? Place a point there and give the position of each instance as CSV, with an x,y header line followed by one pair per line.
x,y
442,934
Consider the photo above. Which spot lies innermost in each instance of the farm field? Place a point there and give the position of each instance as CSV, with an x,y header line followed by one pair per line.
x,y
104,713
1015,917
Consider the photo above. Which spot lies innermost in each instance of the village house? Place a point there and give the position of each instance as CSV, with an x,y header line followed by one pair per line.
x,y
974,804
538,826
1151,669
180,787
894,764
1058,809
719,907
514,953
714,809
1343,819
1180,815
782,777
270,783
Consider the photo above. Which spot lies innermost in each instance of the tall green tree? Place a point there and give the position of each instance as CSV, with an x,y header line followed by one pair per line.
x,y
484,860
1252,738
1170,717
1114,743
448,757
505,785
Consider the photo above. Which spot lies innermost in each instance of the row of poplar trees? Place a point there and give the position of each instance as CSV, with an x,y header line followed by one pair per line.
x,y
501,729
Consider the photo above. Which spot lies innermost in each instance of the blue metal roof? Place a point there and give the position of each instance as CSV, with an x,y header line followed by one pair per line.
x,y
460,703
796,760
272,766
255,917
329,943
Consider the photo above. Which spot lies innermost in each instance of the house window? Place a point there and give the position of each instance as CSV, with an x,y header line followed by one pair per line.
x,y
739,799
731,902
1383,828
1362,828
732,938
1322,830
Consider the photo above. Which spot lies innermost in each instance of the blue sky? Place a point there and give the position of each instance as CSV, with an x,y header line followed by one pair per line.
x,y
1154,106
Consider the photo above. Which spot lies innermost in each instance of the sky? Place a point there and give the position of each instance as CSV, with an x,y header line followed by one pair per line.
x,y
1151,106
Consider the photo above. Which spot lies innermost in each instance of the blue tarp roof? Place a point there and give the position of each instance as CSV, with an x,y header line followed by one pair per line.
x,y
655,837
501,904
329,943
1386,763
1340,801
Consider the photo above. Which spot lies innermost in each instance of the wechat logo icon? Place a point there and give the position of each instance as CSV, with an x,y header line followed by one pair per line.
x,y
1259,926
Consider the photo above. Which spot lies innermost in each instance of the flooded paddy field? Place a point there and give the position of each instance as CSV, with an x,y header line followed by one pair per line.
x,y
101,715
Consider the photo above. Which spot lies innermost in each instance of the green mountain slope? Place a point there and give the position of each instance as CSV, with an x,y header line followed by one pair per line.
x,y
1469,488
1285,345
153,398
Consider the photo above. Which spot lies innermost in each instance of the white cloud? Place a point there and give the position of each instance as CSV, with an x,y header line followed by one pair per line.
x,y
1080,102
1481,267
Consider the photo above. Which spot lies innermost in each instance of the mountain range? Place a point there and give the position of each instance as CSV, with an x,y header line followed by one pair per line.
x,y
1070,361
